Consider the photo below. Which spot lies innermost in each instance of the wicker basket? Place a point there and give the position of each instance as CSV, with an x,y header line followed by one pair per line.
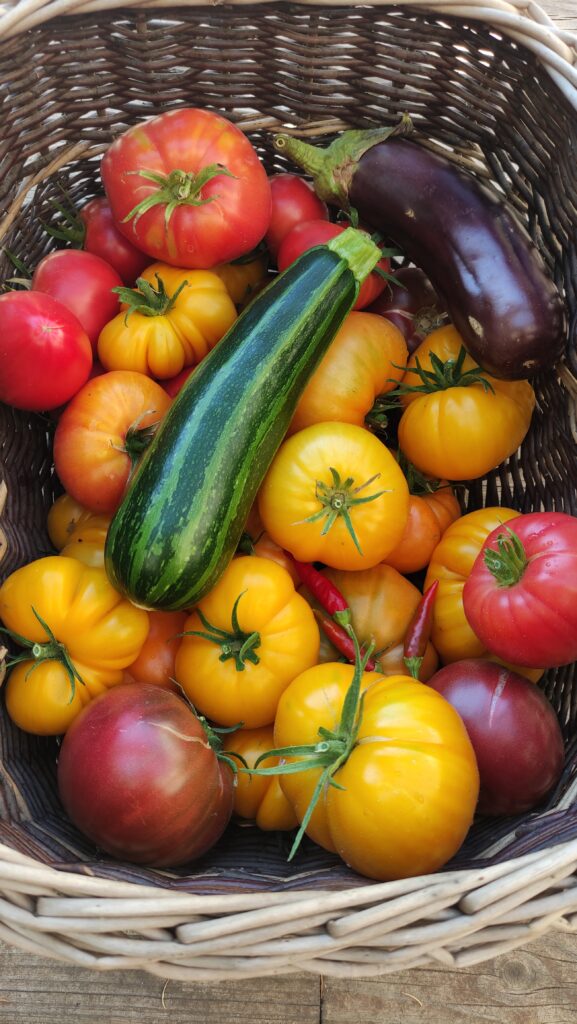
x,y
494,86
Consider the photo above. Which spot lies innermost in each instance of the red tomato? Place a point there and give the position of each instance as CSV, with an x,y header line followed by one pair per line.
x,y
173,385
293,201
83,283
188,188
521,596
101,434
315,232
45,354
514,731
102,237
137,776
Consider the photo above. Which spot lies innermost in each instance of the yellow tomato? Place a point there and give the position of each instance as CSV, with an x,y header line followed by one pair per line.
x,y
64,515
88,626
366,358
247,639
258,798
179,329
243,279
407,790
335,494
87,539
462,427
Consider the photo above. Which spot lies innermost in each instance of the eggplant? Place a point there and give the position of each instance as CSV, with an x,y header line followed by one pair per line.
x,y
479,258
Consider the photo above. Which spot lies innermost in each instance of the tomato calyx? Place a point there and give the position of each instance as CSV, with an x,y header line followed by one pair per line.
x,y
333,748
444,374
234,643
137,439
147,299
508,563
36,652
178,188
337,500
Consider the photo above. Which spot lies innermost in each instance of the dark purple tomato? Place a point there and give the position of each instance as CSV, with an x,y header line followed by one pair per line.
x,y
514,731
413,306
137,776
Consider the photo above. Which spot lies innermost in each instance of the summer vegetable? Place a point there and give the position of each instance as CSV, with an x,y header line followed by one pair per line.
x,y
514,731
380,771
78,635
188,188
459,422
244,643
478,257
521,595
183,515
82,282
138,775
171,320
412,305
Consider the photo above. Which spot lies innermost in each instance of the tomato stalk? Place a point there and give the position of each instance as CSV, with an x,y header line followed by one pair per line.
x,y
337,499
333,748
179,188
52,650
233,643
137,439
419,631
148,300
443,374
509,562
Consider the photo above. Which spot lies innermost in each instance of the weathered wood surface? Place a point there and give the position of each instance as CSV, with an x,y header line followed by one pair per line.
x,y
533,985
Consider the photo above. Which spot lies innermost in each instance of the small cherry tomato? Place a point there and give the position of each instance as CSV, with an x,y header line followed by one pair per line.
x,y
258,798
293,202
315,232
83,283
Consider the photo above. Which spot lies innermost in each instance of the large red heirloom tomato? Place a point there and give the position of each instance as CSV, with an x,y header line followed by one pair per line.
x,y
188,188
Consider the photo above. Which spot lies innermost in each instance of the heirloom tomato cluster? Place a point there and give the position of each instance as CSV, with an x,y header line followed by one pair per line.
x,y
266,597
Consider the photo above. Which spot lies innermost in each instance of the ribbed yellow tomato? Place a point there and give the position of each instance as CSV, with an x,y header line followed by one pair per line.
x,y
335,494
407,790
81,634
248,638
179,327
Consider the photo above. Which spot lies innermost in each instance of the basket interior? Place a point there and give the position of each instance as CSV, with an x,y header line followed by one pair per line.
x,y
477,96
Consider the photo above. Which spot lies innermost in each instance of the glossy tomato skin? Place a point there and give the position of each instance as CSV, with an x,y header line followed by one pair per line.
x,y
236,208
90,441
83,283
294,201
304,236
534,618
514,731
155,663
102,237
409,785
137,776
45,353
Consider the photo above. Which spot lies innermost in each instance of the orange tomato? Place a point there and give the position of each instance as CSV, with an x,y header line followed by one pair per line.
x,y
421,536
155,663
258,798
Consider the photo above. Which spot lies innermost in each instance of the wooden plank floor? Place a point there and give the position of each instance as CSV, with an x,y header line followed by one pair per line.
x,y
534,985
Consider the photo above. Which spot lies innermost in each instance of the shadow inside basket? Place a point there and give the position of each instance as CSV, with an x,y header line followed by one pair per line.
x,y
472,93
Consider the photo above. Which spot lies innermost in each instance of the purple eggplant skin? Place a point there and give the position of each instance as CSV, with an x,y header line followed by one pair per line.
x,y
479,258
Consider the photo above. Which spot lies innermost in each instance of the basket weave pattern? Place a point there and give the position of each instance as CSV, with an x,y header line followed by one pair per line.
x,y
496,92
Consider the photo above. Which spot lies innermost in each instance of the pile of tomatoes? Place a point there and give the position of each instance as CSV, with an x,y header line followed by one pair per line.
x,y
304,691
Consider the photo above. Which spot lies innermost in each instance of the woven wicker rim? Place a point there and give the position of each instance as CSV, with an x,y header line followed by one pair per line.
x,y
458,918
523,20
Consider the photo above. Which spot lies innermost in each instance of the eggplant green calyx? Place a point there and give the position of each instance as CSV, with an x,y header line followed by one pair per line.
x,y
148,300
442,376
234,643
179,188
333,748
51,650
333,168
509,562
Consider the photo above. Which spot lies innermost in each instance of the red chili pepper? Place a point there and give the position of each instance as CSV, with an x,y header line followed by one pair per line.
x,y
419,631
325,592
340,639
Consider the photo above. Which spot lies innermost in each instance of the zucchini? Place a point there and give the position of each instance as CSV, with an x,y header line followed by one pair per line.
x,y
184,511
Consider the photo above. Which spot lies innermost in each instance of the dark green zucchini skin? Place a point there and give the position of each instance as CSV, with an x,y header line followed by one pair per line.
x,y
184,512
